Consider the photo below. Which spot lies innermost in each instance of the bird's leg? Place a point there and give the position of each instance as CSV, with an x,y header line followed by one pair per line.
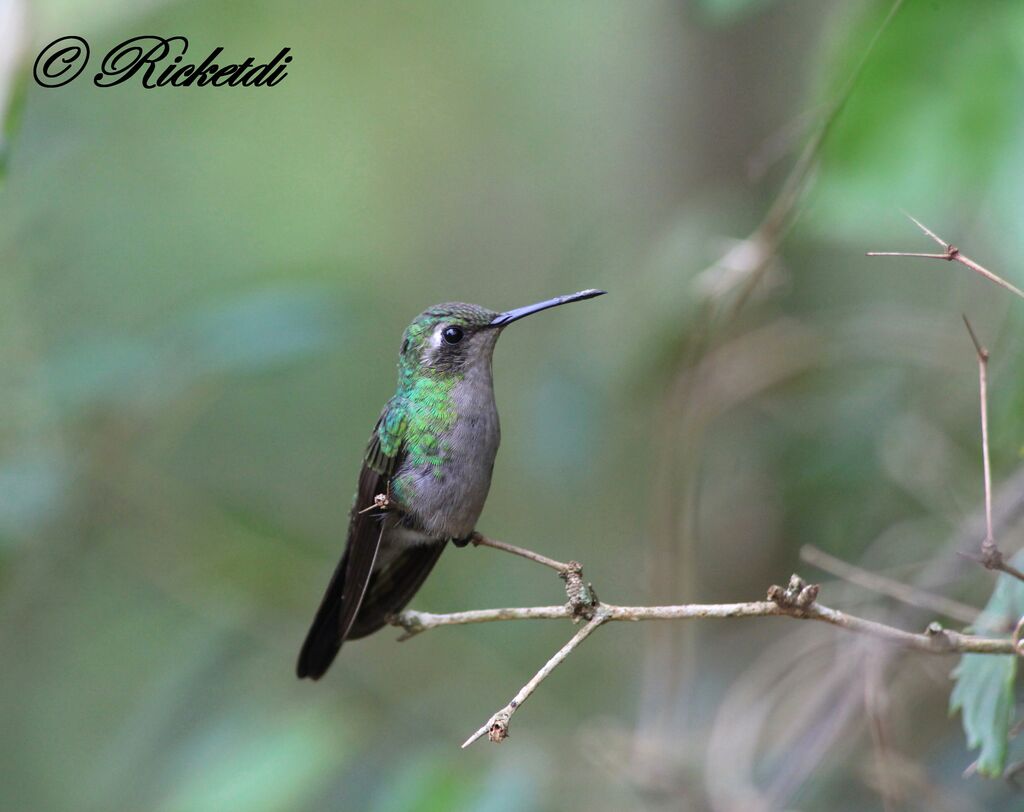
x,y
466,540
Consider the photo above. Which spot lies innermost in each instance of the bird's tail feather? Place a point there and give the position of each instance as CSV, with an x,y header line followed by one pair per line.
x,y
390,588
323,641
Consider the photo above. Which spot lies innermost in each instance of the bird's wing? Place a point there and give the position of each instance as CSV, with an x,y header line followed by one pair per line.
x,y
392,586
348,584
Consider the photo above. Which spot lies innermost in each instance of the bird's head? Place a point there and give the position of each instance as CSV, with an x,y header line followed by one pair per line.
x,y
453,338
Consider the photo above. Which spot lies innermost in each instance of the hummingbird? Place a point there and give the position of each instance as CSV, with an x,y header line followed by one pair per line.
x,y
425,475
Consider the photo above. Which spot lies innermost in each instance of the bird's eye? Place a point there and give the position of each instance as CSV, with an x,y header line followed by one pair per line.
x,y
452,335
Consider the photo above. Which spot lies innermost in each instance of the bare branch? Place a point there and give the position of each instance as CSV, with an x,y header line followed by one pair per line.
x,y
950,253
983,397
798,600
906,254
905,593
496,727
416,622
482,541
991,556
934,640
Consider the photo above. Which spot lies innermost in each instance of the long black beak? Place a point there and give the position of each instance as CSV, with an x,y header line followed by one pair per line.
x,y
510,316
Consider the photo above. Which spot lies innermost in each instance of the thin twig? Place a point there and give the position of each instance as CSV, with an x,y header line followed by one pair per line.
x,y
905,593
951,254
582,598
496,727
991,556
482,541
907,254
983,397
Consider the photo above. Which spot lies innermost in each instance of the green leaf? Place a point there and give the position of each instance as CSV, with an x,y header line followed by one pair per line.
x,y
984,695
984,683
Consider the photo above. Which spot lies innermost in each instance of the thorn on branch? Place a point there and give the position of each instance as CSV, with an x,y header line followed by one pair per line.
x,y
979,348
798,594
950,253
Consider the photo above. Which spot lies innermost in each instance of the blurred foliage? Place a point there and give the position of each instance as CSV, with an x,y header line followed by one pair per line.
x,y
10,117
729,11
931,124
201,298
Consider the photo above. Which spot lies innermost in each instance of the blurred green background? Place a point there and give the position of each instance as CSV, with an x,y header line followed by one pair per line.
x,y
201,298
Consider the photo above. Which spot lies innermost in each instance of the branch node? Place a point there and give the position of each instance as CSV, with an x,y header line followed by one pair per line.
x,y
950,253
991,557
409,621
939,636
498,731
582,600
798,594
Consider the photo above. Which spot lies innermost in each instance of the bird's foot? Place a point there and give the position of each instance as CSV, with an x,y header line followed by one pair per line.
x,y
472,537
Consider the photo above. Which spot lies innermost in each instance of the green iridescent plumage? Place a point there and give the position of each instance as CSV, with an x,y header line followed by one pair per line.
x,y
413,423
423,410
